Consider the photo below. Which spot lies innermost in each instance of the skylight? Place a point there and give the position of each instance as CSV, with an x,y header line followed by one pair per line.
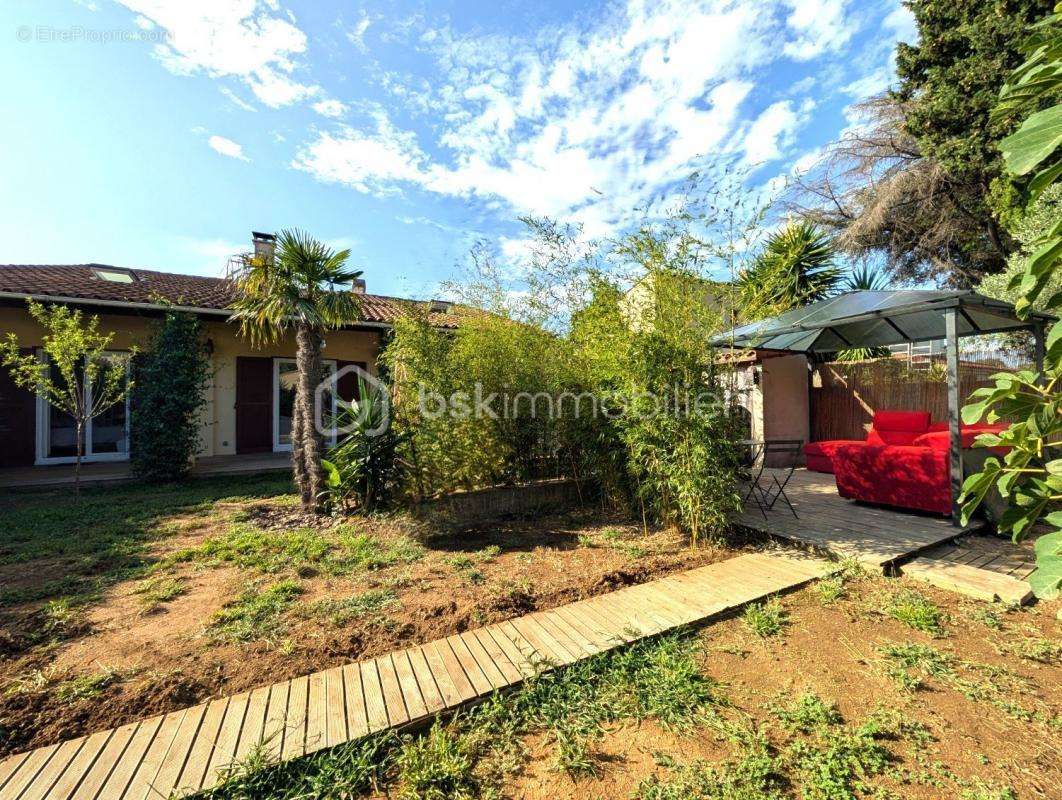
x,y
114,275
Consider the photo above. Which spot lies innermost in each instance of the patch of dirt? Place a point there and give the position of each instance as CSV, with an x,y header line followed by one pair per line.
x,y
833,652
164,660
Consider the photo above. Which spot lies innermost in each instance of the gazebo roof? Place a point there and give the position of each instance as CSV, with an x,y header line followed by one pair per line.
x,y
875,319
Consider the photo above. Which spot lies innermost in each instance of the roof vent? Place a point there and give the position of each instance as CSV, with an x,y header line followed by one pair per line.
x,y
114,275
440,306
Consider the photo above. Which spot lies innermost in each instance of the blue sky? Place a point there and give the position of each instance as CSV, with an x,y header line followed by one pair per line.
x,y
159,133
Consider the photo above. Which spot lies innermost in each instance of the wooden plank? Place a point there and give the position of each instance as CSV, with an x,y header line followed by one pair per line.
x,y
195,767
228,737
572,633
579,622
375,709
407,680
397,714
119,778
545,644
53,770
971,581
79,766
452,695
517,657
253,733
546,622
295,720
140,786
506,631
316,714
276,720
9,766
98,773
468,664
336,708
28,771
429,689
357,721
484,660
510,672
170,770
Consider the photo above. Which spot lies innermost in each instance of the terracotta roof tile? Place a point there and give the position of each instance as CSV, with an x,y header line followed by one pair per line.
x,y
82,281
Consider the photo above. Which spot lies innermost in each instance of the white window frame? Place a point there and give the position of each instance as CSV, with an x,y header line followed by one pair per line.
x,y
278,447
44,426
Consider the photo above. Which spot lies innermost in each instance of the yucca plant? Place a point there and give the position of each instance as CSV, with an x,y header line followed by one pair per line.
x,y
864,278
796,267
303,288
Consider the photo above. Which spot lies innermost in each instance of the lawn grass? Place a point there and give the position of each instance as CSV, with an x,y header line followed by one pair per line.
x,y
101,539
258,613
765,619
915,611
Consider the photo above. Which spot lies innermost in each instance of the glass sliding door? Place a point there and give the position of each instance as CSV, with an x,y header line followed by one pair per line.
x,y
105,438
285,377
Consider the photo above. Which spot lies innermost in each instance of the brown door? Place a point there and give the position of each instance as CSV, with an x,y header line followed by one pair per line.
x,y
18,422
254,404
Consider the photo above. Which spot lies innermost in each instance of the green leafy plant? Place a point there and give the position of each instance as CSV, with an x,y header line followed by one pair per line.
x,y
1029,476
797,267
77,375
365,470
302,288
765,619
169,389
915,611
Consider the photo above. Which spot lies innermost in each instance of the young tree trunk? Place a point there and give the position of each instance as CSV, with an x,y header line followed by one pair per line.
x,y
308,361
77,461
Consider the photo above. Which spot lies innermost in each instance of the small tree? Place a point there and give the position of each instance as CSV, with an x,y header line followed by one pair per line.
x,y
92,380
171,380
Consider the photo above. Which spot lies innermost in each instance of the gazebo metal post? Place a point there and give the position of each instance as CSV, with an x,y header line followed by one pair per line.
x,y
951,334
1038,350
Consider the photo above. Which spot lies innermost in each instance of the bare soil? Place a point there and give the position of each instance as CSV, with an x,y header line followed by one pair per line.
x,y
833,652
158,661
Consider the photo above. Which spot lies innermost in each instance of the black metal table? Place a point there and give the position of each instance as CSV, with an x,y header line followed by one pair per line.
x,y
766,490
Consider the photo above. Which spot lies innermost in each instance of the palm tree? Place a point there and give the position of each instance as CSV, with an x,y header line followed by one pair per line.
x,y
795,268
866,278
300,288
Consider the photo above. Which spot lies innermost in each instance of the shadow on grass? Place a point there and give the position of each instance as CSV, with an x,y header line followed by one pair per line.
x,y
54,547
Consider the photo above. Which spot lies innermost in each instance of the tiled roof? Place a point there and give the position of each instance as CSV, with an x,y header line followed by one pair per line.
x,y
82,282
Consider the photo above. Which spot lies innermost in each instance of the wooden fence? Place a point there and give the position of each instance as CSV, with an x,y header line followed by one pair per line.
x,y
845,395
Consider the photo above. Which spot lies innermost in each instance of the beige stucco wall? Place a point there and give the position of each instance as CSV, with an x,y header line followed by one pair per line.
x,y
784,389
218,418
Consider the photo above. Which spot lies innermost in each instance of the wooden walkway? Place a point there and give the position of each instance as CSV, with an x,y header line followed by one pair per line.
x,y
188,750
876,537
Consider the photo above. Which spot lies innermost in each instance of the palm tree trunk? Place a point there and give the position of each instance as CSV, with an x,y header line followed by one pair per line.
x,y
308,361
298,456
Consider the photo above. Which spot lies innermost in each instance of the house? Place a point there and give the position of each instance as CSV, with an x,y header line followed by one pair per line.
x,y
249,401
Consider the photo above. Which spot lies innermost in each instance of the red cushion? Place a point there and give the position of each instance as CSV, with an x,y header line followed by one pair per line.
x,y
897,427
819,455
905,477
941,439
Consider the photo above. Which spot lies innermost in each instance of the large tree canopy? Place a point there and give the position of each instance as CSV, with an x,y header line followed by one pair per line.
x,y
919,182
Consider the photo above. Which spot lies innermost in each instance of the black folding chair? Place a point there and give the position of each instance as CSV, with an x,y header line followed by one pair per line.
x,y
765,490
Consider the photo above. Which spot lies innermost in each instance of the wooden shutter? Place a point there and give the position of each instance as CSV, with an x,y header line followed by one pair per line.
x,y
254,404
347,385
18,421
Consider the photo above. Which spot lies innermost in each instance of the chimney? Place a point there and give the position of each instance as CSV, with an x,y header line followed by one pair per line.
x,y
358,286
264,245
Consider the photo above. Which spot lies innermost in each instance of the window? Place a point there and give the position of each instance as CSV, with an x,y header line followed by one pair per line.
x,y
105,438
285,375
114,275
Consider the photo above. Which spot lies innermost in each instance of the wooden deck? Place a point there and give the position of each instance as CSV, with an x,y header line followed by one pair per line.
x,y
187,750
876,537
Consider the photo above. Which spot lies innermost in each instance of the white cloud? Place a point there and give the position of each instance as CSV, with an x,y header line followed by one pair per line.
x,y
238,101
767,135
330,108
246,39
900,22
821,26
210,256
227,147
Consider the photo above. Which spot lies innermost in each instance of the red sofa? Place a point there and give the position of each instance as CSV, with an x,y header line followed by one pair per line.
x,y
888,428
913,475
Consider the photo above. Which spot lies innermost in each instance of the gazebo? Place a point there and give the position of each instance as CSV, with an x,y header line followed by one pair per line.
x,y
880,318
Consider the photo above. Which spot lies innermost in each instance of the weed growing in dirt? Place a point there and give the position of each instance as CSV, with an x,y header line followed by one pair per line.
x,y
915,611
300,551
84,687
368,606
255,614
1032,648
838,761
984,791
437,766
987,616
808,713
766,619
157,590
836,586
753,777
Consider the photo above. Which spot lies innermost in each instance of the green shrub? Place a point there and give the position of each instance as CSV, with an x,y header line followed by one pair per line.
x,y
169,389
